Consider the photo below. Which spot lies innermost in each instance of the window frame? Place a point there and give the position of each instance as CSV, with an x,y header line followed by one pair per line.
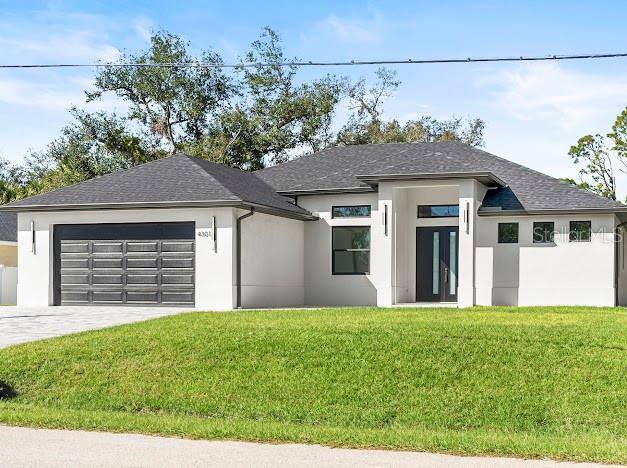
x,y
333,250
571,230
533,233
333,207
498,233
431,206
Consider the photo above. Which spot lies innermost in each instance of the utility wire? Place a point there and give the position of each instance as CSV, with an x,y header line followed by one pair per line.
x,y
310,63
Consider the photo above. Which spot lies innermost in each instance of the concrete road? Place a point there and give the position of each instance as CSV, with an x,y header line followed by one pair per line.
x,y
22,324
23,447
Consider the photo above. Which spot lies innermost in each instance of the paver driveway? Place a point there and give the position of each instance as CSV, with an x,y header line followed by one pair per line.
x,y
22,324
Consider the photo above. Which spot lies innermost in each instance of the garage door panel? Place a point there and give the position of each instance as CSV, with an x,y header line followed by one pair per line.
x,y
142,279
107,263
174,262
73,247
137,263
177,297
75,278
142,247
107,296
75,297
150,297
97,264
170,246
71,263
107,279
107,247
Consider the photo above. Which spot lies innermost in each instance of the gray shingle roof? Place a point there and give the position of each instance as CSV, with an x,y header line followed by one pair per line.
x,y
339,168
178,180
8,227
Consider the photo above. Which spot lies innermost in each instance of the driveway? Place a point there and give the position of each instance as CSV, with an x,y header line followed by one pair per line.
x,y
22,447
22,324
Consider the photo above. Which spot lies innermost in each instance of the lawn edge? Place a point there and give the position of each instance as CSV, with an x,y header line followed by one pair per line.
x,y
590,446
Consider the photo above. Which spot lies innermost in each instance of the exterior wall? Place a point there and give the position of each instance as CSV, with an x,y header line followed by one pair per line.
x,y
621,263
273,261
561,273
8,285
8,254
321,287
215,279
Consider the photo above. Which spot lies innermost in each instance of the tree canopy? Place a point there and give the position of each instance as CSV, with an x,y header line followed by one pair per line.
x,y
247,118
600,157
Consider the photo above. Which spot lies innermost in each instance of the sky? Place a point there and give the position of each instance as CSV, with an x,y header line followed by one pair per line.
x,y
533,111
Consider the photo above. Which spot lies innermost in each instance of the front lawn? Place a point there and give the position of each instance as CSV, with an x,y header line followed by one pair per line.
x,y
522,382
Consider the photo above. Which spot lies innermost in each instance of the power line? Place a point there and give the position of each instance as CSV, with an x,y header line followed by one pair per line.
x,y
310,63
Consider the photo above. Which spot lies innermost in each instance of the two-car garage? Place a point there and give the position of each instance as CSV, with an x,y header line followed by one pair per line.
x,y
131,263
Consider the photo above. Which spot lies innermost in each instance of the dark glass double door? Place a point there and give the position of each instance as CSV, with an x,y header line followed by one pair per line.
x,y
436,264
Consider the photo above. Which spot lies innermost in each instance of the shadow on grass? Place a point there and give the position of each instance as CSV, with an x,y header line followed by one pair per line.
x,y
6,391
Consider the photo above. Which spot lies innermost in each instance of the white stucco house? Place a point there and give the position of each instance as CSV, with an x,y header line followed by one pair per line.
x,y
359,225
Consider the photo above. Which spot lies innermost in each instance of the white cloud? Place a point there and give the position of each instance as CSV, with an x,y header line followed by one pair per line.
x,y
144,28
354,30
552,92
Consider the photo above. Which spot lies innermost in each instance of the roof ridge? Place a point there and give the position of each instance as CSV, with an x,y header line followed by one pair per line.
x,y
196,161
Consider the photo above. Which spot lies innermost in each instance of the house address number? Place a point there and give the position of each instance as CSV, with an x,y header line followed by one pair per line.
x,y
204,233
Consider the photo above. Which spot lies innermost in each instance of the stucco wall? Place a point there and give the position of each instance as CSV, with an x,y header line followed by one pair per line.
x,y
273,271
561,273
8,255
321,287
215,280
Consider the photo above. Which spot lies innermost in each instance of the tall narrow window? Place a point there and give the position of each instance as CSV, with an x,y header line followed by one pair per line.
x,y
453,261
351,250
580,231
543,232
436,263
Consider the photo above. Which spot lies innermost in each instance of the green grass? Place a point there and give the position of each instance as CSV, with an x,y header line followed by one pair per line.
x,y
536,382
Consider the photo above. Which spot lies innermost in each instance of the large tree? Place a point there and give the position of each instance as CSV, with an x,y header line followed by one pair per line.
x,y
366,124
245,118
599,158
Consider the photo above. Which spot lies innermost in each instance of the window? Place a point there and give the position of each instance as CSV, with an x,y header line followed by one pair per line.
x,y
351,250
438,211
508,233
580,231
359,211
543,232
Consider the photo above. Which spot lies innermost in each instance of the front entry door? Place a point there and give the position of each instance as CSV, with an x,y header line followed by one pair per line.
x,y
436,264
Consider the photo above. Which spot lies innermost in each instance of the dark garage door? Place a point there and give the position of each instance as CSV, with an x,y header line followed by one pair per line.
x,y
134,264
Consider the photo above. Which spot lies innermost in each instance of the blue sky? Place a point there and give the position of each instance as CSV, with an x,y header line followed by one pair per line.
x,y
533,111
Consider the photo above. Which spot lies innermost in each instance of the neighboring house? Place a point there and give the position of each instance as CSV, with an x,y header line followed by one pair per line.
x,y
8,239
355,225
8,258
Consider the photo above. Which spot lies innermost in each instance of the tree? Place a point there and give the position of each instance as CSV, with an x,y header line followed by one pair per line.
x,y
171,105
275,116
599,157
366,123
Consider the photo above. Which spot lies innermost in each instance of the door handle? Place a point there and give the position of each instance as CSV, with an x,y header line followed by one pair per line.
x,y
446,274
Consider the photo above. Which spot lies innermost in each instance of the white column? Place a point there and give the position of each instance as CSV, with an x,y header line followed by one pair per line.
x,y
467,213
382,248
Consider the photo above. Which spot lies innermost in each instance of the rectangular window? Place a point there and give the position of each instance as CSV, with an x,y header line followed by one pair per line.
x,y
543,232
438,211
351,250
508,233
358,211
580,231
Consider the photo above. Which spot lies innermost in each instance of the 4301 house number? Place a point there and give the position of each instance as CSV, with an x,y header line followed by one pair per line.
x,y
204,233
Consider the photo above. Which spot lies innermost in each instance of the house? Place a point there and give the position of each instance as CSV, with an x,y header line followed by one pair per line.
x,y
355,225
8,258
